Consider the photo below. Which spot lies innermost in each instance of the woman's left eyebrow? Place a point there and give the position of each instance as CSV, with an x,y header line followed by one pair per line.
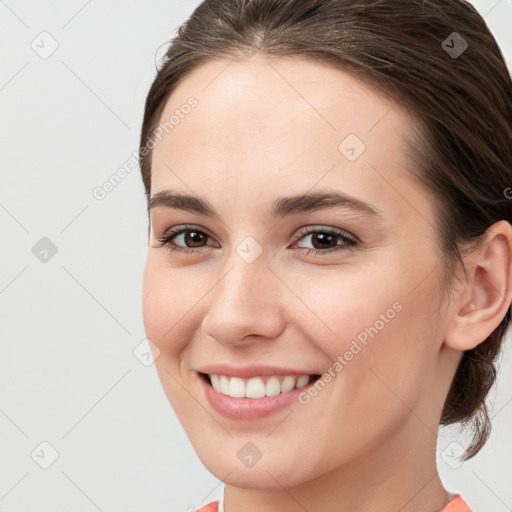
x,y
281,207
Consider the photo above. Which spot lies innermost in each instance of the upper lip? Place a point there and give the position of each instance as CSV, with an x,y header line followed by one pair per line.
x,y
246,372
250,371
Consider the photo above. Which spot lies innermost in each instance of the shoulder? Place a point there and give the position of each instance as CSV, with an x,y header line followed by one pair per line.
x,y
457,505
213,506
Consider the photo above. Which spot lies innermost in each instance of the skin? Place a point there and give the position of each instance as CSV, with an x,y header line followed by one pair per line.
x,y
264,128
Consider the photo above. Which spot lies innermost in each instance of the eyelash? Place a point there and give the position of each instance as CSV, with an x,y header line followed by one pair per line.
x,y
349,243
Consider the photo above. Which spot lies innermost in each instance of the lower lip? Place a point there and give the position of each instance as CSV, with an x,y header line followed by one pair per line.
x,y
249,408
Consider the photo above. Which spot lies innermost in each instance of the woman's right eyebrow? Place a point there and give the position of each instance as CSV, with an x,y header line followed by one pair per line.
x,y
281,207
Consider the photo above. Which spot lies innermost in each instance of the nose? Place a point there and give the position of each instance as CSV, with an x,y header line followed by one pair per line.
x,y
248,301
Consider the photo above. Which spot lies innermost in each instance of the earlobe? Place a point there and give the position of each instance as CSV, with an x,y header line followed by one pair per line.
x,y
489,288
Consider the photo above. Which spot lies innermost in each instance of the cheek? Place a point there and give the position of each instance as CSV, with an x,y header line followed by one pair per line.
x,y
165,320
152,305
365,321
168,298
381,347
386,305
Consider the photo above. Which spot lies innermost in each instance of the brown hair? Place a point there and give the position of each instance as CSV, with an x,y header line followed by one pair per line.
x,y
462,151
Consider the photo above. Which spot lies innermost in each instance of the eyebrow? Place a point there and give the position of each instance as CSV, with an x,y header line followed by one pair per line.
x,y
281,207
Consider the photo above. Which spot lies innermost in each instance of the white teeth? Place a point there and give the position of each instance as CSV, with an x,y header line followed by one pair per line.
x,y
288,384
273,387
215,381
256,387
224,385
302,381
236,387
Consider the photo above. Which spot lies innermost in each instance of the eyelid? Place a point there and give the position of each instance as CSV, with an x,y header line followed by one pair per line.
x,y
350,242
314,228
306,230
179,229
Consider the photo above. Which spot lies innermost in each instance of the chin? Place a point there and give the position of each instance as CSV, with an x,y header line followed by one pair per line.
x,y
273,473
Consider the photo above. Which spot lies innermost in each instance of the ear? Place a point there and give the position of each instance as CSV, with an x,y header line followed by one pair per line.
x,y
486,295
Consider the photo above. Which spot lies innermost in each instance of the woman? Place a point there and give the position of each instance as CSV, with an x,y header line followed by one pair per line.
x,y
328,275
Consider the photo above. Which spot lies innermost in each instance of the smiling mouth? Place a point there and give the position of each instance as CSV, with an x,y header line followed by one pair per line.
x,y
257,387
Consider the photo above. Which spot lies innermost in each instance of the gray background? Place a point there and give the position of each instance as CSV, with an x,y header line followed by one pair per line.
x,y
70,324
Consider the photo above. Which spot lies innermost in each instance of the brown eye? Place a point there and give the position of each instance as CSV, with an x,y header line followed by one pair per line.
x,y
324,241
189,238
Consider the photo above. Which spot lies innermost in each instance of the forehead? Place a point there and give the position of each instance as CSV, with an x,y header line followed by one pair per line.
x,y
272,93
280,124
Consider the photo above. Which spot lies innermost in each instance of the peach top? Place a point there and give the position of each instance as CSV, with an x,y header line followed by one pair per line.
x,y
456,505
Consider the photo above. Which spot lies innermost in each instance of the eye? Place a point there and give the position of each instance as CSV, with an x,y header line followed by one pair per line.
x,y
321,237
324,238
185,234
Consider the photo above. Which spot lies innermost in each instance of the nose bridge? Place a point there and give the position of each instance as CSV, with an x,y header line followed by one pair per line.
x,y
247,276
248,286
246,300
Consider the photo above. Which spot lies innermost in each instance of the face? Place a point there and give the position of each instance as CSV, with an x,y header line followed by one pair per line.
x,y
343,288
